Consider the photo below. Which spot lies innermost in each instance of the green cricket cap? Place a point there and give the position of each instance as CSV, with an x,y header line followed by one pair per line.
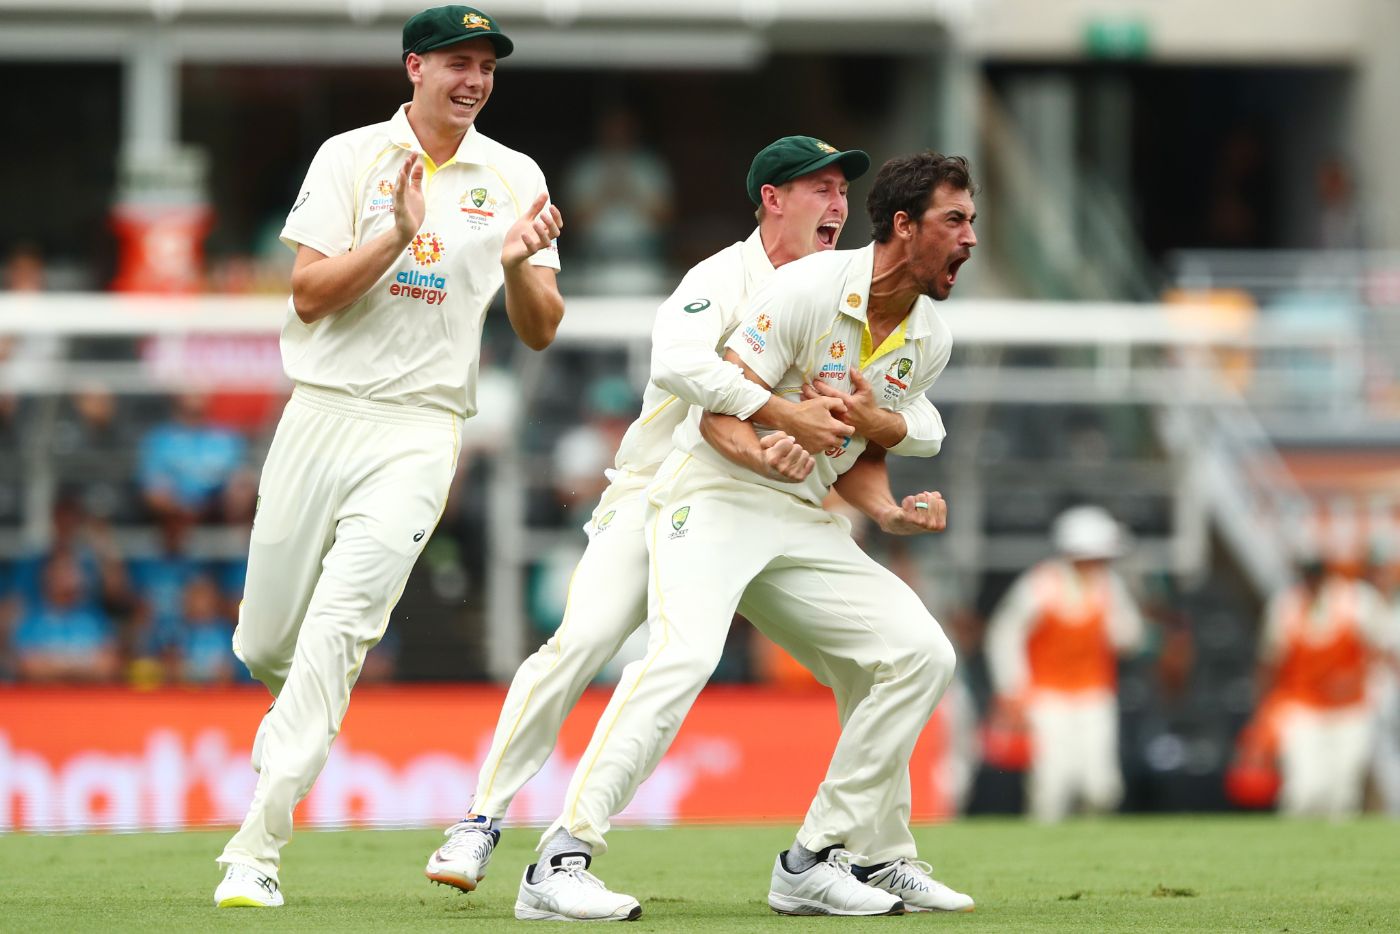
x,y
794,156
441,26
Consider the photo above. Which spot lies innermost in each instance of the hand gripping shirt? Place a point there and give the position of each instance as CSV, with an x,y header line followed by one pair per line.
x,y
415,337
687,342
808,323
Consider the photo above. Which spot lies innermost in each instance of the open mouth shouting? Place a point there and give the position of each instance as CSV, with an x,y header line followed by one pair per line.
x,y
953,266
827,234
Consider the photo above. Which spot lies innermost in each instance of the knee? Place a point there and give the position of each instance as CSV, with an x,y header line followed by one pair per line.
x,y
926,653
267,659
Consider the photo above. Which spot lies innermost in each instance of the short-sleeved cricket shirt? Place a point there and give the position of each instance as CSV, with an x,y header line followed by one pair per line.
x,y
415,337
808,323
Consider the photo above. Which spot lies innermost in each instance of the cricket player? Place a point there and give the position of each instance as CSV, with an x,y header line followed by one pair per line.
x,y
799,184
404,232
1321,638
859,324
1052,647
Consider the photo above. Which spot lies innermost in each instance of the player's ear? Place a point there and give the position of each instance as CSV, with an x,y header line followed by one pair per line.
x,y
413,65
772,204
903,225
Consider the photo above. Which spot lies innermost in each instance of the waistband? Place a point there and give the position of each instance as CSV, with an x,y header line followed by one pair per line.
x,y
339,403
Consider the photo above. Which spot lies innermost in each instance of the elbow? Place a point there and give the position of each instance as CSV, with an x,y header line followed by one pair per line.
x,y
541,337
306,305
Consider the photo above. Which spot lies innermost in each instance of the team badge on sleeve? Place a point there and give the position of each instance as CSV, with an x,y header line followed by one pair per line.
x,y
696,307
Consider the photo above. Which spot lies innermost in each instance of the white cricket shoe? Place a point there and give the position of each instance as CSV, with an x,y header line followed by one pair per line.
x,y
910,880
461,861
571,893
246,887
828,888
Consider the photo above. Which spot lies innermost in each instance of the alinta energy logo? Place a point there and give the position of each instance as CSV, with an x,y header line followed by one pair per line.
x,y
382,198
426,249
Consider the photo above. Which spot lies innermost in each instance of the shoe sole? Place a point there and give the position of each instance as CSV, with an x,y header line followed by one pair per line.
x,y
915,909
524,912
243,901
788,905
457,882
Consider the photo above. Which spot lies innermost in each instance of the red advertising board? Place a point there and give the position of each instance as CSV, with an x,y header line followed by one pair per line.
x,y
75,759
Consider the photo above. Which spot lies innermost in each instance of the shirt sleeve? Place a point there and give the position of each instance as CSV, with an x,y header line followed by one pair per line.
x,y
1271,631
1126,629
1007,634
689,326
773,328
923,426
323,215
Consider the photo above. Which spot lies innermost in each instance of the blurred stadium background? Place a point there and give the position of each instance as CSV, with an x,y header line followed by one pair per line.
x,y
1185,308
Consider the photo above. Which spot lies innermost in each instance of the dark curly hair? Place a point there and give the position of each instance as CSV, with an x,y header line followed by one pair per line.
x,y
906,183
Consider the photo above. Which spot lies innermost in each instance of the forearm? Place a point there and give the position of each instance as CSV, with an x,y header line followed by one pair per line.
x,y
533,303
733,438
883,427
866,486
324,285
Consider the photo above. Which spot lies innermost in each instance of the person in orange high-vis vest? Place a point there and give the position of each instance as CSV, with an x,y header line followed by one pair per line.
x,y
1321,638
1052,647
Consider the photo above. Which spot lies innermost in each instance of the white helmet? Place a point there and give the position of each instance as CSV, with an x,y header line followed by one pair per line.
x,y
1088,533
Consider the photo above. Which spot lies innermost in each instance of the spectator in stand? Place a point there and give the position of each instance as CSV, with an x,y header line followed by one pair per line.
x,y
1321,637
160,583
619,195
585,452
189,467
61,638
201,651
1339,223
90,545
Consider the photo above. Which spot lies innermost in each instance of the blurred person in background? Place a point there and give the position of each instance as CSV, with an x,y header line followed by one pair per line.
x,y
63,638
1339,223
1320,638
29,357
584,454
159,582
1052,649
391,286
76,535
199,650
1385,681
187,465
619,197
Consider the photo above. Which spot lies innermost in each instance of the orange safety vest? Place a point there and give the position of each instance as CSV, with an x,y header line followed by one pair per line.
x,y
1068,649
1324,668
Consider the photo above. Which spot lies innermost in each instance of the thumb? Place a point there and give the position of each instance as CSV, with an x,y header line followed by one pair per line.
x,y
858,380
809,392
833,405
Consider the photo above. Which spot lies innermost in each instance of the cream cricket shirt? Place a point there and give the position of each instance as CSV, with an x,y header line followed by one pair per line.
x,y
808,323
415,337
687,343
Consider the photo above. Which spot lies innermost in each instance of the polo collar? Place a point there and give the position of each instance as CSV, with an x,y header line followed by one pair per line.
x,y
758,268
855,296
472,149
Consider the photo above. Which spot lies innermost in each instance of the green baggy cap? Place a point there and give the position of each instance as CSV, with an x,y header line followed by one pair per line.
x,y
794,156
442,26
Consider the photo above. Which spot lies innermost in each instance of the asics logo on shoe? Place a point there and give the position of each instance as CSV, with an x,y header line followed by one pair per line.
x,y
268,885
418,536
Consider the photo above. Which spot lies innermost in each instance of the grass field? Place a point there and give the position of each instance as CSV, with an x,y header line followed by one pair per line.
x,y
1123,874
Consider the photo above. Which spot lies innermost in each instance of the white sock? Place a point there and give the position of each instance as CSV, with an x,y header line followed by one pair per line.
x,y
559,843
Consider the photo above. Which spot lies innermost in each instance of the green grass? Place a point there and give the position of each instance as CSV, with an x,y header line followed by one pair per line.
x,y
1125,874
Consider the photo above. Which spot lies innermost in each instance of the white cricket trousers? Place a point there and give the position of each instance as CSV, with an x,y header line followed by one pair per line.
x,y
1324,755
349,495
1074,754
710,539
606,603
